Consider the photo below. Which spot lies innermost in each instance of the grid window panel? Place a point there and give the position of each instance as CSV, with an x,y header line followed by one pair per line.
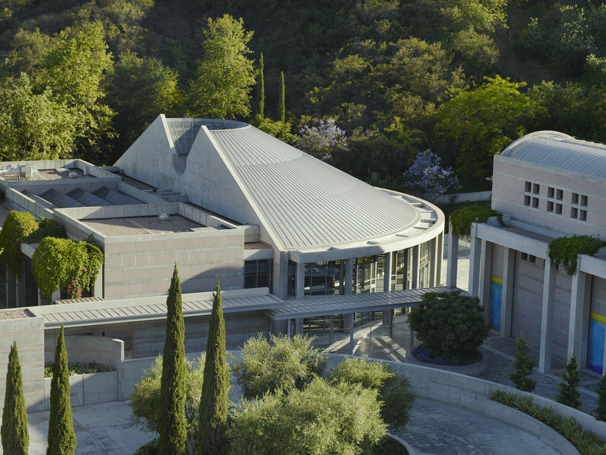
x,y
550,192
536,188
535,202
549,206
574,212
527,186
558,209
583,216
526,200
575,198
584,201
559,195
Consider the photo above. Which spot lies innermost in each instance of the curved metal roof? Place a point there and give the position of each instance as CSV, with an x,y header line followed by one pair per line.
x,y
561,151
305,202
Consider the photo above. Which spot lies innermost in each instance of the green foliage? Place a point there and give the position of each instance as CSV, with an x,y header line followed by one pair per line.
x,y
600,412
260,107
564,251
281,101
586,442
17,227
462,219
58,262
395,391
282,363
79,368
214,401
149,448
276,129
571,379
145,399
450,323
344,419
523,368
14,432
171,411
225,75
61,436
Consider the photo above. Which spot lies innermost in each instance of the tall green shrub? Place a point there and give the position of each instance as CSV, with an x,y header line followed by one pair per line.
x,y
61,436
15,435
571,379
523,368
17,227
600,412
261,90
171,412
281,103
213,403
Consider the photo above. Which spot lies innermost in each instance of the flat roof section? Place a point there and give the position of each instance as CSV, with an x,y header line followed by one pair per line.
x,y
60,174
142,225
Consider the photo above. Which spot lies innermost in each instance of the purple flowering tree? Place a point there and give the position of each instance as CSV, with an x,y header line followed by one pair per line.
x,y
320,141
427,179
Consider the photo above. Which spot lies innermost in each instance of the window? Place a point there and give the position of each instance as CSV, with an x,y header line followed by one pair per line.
x,y
536,188
535,202
524,256
527,187
550,192
584,201
575,198
583,215
527,200
559,195
574,212
532,259
257,274
549,206
558,209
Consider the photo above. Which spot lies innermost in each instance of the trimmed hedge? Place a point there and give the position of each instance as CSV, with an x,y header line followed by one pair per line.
x,y
462,219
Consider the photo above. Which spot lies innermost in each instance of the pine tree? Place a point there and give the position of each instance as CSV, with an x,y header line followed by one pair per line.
x,y
523,366
171,411
15,436
281,103
567,388
213,403
61,436
261,90
600,412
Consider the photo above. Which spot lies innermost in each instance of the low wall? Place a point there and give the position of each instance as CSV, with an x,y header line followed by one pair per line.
x,y
464,197
87,389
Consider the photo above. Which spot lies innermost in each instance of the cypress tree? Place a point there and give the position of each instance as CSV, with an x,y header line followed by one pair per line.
x,y
281,104
567,388
600,412
15,436
523,366
213,403
172,426
61,436
261,90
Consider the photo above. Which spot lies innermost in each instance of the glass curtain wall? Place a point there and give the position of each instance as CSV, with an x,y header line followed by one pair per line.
x,y
324,278
257,274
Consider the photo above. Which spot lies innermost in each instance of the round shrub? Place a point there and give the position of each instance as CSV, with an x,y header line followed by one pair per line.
x,y
450,324
462,219
17,227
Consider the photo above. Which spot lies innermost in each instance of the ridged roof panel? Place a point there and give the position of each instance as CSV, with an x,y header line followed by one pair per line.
x,y
304,201
561,151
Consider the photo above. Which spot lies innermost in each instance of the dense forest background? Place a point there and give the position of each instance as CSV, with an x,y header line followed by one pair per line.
x,y
463,78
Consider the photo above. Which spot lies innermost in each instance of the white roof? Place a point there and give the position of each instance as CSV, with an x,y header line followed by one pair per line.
x,y
561,151
305,202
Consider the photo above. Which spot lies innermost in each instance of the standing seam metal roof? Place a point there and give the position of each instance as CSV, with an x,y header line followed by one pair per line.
x,y
561,151
306,202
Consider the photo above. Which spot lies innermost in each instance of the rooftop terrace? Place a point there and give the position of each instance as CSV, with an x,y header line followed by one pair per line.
x,y
144,225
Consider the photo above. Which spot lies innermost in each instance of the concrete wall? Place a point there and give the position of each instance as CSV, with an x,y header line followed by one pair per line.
x,y
28,332
87,389
527,299
464,197
598,296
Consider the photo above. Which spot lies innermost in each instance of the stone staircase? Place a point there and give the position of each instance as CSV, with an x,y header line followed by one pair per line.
x,y
168,195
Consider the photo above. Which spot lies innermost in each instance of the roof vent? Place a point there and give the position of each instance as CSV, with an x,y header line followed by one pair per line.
x,y
73,175
163,217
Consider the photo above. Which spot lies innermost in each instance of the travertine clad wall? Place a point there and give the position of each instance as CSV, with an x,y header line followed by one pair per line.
x,y
598,296
143,265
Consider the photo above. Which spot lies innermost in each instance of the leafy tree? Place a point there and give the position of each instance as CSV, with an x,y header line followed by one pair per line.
x,y
15,435
523,368
344,419
567,388
276,129
61,436
225,75
34,126
483,122
281,101
260,90
427,179
171,412
600,412
395,391
28,51
214,400
450,323
281,363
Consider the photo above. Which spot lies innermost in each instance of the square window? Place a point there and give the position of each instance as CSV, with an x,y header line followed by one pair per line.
x,y
583,216
524,256
535,202
536,188
527,200
574,212
549,206
558,209
550,192
575,198
559,195
532,259
527,187
584,201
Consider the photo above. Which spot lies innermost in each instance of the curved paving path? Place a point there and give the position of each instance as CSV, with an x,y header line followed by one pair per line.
x,y
438,428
